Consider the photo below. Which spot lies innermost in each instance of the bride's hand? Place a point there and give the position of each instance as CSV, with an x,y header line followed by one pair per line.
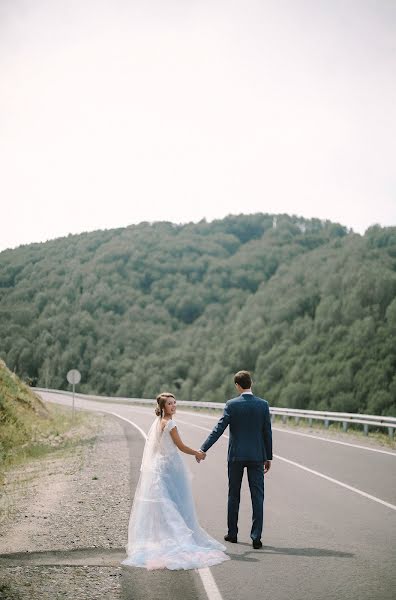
x,y
200,456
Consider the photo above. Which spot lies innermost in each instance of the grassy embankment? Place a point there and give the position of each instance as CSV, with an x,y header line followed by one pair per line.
x,y
30,429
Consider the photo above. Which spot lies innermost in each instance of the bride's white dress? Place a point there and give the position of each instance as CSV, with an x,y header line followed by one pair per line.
x,y
163,528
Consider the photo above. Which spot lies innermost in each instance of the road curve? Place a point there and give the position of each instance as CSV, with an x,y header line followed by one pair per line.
x,y
320,540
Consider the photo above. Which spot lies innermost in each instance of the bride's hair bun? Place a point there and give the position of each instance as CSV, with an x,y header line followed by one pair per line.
x,y
158,411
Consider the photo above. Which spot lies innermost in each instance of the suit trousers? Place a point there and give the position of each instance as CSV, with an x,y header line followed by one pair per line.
x,y
255,473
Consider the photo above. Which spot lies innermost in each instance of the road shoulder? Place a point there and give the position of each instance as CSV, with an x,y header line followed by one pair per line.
x,y
65,519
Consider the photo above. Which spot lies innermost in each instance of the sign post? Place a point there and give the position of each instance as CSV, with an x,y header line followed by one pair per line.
x,y
73,377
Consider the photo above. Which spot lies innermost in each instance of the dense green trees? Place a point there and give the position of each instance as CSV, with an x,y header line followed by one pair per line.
x,y
309,307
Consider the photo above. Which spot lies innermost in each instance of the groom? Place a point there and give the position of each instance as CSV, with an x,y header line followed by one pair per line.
x,y
250,446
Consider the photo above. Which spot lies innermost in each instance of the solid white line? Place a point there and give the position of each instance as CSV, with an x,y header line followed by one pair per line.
x,y
315,437
295,464
128,421
198,427
144,410
336,481
344,485
211,589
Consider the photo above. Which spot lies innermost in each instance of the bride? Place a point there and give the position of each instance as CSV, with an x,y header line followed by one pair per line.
x,y
163,528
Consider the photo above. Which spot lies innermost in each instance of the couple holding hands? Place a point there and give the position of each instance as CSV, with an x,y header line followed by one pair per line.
x,y
163,528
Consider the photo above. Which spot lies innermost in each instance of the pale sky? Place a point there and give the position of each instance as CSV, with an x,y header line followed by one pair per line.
x,y
114,112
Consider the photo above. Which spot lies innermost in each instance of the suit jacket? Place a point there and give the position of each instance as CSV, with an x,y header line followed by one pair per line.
x,y
250,429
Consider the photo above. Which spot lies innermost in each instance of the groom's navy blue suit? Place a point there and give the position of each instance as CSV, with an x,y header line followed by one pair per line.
x,y
250,445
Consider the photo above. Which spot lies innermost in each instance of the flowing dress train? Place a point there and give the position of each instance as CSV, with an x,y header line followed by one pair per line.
x,y
163,528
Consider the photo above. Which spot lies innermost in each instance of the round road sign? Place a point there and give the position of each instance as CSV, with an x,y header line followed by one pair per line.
x,y
73,376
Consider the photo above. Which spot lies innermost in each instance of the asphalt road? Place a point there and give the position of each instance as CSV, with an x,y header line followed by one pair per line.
x,y
320,540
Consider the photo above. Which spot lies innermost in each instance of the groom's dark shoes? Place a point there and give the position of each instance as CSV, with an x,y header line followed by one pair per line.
x,y
257,544
231,538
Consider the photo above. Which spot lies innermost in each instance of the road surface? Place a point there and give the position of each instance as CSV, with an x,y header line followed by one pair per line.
x,y
329,524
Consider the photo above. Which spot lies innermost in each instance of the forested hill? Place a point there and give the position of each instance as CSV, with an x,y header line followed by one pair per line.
x,y
307,306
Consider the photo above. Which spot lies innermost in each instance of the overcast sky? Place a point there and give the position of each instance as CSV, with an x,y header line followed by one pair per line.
x,y
114,112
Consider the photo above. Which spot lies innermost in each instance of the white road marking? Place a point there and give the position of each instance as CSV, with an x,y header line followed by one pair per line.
x,y
295,464
144,410
210,587
335,481
348,487
128,421
315,437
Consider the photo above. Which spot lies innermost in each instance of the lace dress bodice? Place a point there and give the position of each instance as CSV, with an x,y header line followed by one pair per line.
x,y
167,447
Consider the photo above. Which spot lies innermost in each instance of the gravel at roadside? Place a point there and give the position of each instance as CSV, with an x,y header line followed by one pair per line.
x,y
64,525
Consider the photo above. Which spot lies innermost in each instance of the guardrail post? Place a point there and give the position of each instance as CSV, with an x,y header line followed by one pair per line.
x,y
365,429
310,421
327,423
296,420
284,418
391,431
345,425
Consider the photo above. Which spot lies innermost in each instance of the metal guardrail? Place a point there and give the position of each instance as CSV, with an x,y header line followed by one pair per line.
x,y
312,415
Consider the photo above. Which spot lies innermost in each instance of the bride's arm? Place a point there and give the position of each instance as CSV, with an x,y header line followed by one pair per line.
x,y
182,447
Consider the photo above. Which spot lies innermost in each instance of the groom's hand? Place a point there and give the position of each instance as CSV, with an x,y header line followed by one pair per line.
x,y
200,456
267,466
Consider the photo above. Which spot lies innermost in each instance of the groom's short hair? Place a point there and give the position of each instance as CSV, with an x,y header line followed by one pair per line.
x,y
244,379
